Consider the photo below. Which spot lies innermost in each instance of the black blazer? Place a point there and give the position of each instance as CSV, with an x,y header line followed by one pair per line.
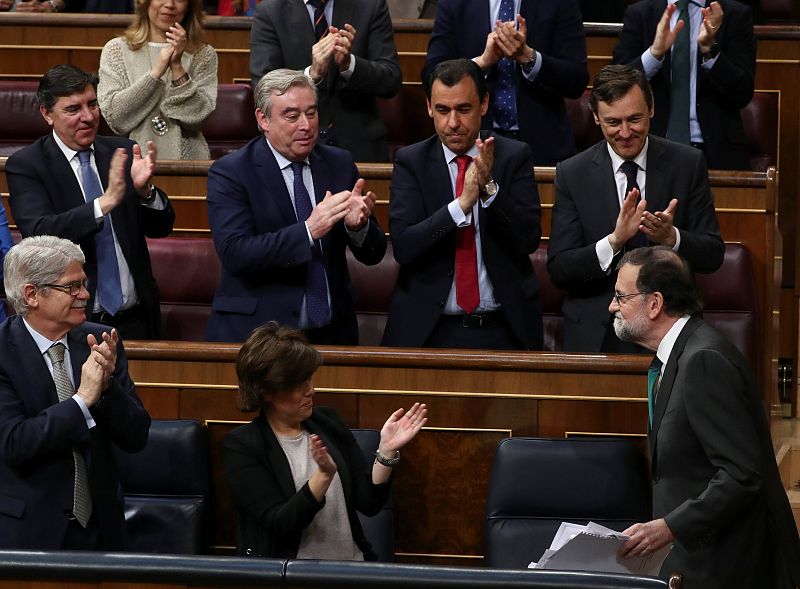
x,y
424,240
46,199
37,433
282,37
586,210
271,514
721,91
264,250
715,479
555,30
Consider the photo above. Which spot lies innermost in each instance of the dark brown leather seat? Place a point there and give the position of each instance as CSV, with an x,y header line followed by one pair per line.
x,y
406,117
233,122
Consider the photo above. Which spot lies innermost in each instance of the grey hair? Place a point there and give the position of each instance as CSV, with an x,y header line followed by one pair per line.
x,y
37,260
276,83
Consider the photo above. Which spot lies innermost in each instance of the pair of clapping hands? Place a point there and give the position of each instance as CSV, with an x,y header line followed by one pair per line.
x,y
99,367
351,205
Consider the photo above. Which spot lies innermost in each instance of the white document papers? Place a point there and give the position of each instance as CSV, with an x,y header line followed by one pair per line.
x,y
594,548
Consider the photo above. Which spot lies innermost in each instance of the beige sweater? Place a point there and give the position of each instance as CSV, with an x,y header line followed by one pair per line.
x,y
129,98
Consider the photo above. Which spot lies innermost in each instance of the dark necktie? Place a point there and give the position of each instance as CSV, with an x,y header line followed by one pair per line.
x,y
678,126
653,378
505,100
317,309
320,22
467,291
82,497
109,287
631,169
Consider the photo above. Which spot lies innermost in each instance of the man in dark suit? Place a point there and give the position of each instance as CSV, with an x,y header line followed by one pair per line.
x,y
65,397
717,494
282,251
352,61
628,190
534,56
466,280
721,56
95,191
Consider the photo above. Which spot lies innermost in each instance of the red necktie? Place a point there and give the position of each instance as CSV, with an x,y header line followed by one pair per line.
x,y
467,292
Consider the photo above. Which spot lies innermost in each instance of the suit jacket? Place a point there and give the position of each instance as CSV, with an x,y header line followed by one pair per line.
x,y
282,37
37,434
46,199
721,91
271,514
555,30
586,210
715,479
424,241
264,250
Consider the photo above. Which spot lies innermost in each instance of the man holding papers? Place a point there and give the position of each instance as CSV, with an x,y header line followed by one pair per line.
x,y
717,495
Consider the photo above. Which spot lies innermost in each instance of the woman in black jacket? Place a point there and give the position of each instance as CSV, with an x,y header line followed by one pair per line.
x,y
296,473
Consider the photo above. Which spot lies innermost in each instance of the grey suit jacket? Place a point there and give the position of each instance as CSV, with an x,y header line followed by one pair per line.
x,y
282,37
715,480
586,210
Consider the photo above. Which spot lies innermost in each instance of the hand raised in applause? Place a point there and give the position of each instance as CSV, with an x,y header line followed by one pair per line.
x,y
143,168
326,214
321,53
665,37
360,206
628,220
343,47
658,226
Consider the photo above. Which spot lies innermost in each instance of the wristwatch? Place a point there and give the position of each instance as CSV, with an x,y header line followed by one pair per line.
x,y
151,196
489,190
527,67
710,54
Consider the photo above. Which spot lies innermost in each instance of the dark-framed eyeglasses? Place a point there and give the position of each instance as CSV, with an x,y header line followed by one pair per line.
x,y
73,289
621,297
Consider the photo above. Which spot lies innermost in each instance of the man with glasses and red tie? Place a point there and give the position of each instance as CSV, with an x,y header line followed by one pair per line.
x,y
95,191
464,216
629,190
347,48
65,398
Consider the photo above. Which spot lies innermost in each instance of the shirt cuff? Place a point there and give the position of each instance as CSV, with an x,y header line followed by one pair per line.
x,y
531,75
98,212
350,69
605,254
710,63
458,216
677,240
650,64
308,232
90,422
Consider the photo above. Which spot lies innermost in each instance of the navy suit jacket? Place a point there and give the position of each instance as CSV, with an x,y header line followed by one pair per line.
x,y
264,250
555,30
46,199
424,241
586,210
37,434
715,480
721,91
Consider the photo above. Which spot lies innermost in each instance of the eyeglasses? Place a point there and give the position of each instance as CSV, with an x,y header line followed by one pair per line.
x,y
620,297
73,289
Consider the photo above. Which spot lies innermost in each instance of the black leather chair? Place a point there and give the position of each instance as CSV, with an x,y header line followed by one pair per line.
x,y
379,529
537,483
167,490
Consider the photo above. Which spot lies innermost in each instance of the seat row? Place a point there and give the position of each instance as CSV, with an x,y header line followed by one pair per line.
x,y
232,124
187,272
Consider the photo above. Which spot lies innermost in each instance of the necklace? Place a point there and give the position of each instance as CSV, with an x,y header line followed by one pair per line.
x,y
158,122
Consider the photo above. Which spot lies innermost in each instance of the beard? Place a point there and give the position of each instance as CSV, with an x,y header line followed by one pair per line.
x,y
630,331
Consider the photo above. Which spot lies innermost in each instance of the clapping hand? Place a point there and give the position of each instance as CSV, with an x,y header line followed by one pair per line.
x,y
401,427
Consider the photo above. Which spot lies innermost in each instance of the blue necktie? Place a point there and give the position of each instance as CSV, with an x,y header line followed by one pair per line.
x,y
505,100
652,378
680,86
631,169
109,288
317,309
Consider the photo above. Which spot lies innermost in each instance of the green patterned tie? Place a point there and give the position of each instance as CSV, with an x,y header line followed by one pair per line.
x,y
678,127
652,387
82,497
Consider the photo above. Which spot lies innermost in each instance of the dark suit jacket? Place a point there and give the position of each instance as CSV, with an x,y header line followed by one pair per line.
x,y
271,513
715,479
555,30
282,37
264,250
721,92
586,210
46,199
424,240
37,434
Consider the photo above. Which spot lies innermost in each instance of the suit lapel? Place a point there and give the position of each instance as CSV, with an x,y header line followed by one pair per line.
x,y
78,353
321,174
37,378
668,379
275,455
440,181
269,174
659,169
62,171
604,185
